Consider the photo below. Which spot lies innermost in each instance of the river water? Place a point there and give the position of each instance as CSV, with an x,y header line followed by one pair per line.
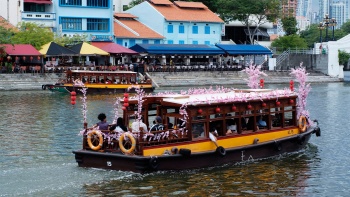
x,y
39,131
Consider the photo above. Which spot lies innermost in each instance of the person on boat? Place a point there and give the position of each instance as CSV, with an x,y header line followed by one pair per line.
x,y
119,126
158,125
103,125
231,126
136,125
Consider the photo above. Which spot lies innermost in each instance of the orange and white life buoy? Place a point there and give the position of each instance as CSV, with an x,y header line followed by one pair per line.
x,y
132,140
302,123
91,139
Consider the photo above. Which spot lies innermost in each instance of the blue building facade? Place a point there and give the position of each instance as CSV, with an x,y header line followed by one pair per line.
x,y
94,18
192,23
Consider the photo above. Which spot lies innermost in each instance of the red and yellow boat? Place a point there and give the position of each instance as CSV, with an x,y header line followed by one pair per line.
x,y
202,128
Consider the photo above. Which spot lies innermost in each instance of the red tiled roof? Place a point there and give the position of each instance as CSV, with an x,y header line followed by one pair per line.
x,y
134,29
175,13
124,15
161,2
112,47
185,4
20,49
5,24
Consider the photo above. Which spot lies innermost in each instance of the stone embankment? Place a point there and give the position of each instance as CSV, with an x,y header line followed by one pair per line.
x,y
228,78
34,81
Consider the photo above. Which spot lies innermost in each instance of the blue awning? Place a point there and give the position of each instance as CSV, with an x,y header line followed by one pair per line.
x,y
243,49
177,49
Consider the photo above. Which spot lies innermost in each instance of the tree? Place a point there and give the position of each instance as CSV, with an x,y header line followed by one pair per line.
x,y
5,35
312,34
133,3
343,57
289,25
66,41
346,27
34,34
252,13
292,41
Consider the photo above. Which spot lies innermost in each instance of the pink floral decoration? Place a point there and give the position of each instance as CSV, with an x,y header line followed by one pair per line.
x,y
254,74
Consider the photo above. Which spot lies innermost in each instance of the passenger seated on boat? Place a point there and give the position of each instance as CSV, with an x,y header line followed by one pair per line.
x,y
231,126
103,125
198,130
136,126
261,123
158,125
170,125
250,123
119,126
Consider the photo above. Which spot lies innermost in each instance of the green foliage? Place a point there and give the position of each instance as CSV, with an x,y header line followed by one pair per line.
x,y
289,25
343,57
133,3
66,41
6,35
252,13
34,34
292,41
346,27
312,34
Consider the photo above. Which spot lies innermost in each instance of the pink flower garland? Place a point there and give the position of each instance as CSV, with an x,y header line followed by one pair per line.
x,y
303,91
254,73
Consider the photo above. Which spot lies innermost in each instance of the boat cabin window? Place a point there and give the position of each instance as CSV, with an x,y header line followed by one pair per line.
x,y
276,116
248,121
288,116
93,79
231,123
198,130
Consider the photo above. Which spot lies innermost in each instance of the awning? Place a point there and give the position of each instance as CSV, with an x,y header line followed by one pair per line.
x,y
38,1
113,48
20,49
87,49
53,49
178,49
242,49
258,32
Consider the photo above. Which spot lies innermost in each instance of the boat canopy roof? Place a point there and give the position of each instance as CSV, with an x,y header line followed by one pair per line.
x,y
243,95
102,72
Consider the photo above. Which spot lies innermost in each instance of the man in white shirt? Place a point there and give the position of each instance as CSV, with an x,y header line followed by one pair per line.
x,y
135,126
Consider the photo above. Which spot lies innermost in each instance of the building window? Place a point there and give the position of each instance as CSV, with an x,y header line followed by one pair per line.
x,y
120,42
207,29
94,24
181,42
207,42
71,2
71,23
157,42
170,42
181,29
194,29
97,3
194,42
132,42
170,28
145,41
33,7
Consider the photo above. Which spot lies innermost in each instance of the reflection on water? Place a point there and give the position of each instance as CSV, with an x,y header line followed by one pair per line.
x,y
39,131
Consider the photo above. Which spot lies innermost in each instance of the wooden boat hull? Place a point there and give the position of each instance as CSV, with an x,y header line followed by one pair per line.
x,y
141,164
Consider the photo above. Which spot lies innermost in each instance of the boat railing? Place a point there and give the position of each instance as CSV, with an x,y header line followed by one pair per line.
x,y
162,137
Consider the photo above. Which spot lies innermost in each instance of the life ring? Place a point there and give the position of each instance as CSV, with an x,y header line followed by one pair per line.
x,y
302,123
133,143
154,163
221,151
90,140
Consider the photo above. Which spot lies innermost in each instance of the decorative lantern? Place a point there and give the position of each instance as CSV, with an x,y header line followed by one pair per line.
x,y
261,83
73,97
8,58
291,85
17,58
31,58
200,111
263,104
249,106
217,110
291,101
24,57
126,101
234,108
38,57
278,103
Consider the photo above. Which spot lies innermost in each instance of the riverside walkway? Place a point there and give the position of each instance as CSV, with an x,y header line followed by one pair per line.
x,y
30,81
